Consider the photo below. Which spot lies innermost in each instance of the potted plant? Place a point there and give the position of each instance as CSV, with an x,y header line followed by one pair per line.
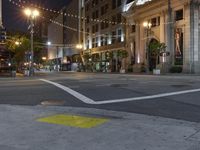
x,y
155,48
122,54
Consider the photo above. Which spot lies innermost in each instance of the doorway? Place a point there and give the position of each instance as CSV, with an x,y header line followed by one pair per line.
x,y
152,56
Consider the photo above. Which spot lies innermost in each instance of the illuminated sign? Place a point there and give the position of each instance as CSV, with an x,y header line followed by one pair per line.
x,y
141,2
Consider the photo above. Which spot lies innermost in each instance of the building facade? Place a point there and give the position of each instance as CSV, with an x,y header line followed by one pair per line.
x,y
4,53
103,34
173,22
55,39
64,35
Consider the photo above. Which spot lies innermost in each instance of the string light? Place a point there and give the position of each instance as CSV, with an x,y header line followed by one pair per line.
x,y
76,30
70,28
73,15
78,17
97,38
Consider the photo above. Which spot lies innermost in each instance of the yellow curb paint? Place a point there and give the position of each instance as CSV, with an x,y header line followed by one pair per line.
x,y
73,121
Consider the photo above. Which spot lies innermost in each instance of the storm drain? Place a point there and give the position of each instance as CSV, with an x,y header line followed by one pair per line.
x,y
53,103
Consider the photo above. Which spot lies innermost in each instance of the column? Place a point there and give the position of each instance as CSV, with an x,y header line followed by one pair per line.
x,y
137,41
187,40
196,39
162,27
142,40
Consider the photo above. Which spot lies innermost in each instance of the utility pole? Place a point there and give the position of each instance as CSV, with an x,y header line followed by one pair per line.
x,y
31,14
32,54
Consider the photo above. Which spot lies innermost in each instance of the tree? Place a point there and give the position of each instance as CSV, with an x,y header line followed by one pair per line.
x,y
87,61
122,54
155,48
18,44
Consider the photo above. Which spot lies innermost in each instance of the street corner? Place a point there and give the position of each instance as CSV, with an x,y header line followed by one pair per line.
x,y
75,121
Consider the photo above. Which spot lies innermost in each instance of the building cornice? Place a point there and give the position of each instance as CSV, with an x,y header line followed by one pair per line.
x,y
153,7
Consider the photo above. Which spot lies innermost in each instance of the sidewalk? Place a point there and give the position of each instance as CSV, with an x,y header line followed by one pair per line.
x,y
20,130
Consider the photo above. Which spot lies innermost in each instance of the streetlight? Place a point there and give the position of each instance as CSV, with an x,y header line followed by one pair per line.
x,y
32,14
148,26
79,46
17,43
44,58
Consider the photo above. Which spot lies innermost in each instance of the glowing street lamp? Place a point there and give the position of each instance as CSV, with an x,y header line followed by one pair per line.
x,y
17,43
147,24
44,58
49,43
79,46
32,14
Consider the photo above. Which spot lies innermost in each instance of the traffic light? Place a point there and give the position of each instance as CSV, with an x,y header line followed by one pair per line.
x,y
2,35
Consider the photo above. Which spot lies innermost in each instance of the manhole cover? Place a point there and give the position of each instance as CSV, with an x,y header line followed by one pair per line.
x,y
52,102
119,85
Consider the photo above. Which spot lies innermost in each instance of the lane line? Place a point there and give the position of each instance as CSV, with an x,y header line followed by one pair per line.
x,y
72,92
87,100
148,97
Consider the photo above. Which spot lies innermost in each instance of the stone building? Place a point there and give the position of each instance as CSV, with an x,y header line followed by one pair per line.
x,y
173,22
104,33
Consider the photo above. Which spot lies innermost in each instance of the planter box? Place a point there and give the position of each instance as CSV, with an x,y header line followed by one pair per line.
x,y
156,71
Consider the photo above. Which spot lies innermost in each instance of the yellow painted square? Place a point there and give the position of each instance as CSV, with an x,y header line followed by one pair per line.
x,y
73,121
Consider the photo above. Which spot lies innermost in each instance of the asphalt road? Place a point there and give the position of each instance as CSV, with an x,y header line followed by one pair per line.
x,y
109,88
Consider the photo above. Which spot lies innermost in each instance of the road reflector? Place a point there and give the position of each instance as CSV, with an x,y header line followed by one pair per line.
x,y
73,121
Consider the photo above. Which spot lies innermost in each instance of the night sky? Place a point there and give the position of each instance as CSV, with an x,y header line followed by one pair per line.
x,y
13,17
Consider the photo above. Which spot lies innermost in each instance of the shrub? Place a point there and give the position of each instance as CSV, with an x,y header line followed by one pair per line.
x,y
143,68
130,68
176,69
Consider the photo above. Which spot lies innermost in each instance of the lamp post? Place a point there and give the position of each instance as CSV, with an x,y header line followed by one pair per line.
x,y
32,14
79,46
147,26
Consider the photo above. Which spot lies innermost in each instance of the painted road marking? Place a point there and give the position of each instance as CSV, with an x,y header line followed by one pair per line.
x,y
72,92
73,121
90,101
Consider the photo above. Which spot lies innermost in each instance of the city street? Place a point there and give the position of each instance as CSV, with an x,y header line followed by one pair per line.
x,y
109,89
99,75
164,108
